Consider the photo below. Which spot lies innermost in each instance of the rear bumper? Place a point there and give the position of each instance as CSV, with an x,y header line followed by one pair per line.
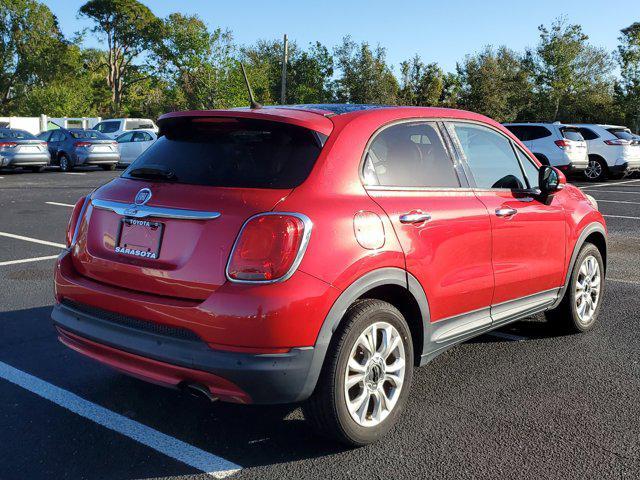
x,y
573,167
97,159
625,167
25,160
172,362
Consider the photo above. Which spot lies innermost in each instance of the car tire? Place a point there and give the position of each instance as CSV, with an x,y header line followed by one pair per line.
x,y
65,163
579,309
38,169
333,408
597,170
108,167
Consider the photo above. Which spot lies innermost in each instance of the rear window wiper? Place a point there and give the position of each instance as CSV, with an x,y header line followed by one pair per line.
x,y
153,173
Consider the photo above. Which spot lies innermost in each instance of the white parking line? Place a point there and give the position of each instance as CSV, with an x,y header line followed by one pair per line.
x,y
60,204
74,173
28,260
622,216
209,463
620,280
610,184
507,336
599,200
33,240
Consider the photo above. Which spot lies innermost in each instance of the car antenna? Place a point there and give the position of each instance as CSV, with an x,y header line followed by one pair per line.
x,y
252,101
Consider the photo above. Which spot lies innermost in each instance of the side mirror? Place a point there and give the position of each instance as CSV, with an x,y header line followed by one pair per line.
x,y
550,179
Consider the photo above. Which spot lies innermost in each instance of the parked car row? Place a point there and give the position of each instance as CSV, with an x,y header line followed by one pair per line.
x,y
599,151
121,143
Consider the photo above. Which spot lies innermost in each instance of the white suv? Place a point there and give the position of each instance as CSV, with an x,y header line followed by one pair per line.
x,y
554,144
613,151
115,127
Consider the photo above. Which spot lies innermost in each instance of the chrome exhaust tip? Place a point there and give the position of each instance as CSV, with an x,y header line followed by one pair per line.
x,y
200,391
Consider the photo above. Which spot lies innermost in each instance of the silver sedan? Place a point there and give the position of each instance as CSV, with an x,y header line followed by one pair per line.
x,y
19,148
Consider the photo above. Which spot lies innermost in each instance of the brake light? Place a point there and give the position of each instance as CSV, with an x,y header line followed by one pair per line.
x,y
74,220
6,145
618,142
562,143
82,144
269,247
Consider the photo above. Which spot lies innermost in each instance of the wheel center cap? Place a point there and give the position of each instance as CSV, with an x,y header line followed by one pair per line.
x,y
375,373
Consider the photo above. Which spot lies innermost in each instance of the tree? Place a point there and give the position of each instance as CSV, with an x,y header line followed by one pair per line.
x,y
629,87
420,84
130,29
365,76
566,69
32,49
494,83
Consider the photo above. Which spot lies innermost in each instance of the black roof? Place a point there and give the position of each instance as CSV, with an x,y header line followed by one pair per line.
x,y
335,108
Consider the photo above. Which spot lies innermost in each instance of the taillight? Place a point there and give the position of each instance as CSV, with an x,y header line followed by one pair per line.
x,y
7,145
82,144
269,247
74,220
562,143
617,141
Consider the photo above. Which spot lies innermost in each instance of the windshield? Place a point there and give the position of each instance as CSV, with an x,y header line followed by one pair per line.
x,y
228,152
94,134
571,133
16,134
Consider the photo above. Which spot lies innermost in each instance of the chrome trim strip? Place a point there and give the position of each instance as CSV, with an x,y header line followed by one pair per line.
x,y
143,211
308,225
79,221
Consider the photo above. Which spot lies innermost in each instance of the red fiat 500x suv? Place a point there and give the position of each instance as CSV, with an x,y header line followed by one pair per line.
x,y
319,253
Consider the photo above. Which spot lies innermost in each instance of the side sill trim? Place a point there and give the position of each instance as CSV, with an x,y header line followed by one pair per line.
x,y
143,211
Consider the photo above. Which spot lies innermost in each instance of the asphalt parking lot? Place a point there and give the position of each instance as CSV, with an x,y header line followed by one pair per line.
x,y
523,402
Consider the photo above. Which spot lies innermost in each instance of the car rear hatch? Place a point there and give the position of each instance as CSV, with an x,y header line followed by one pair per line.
x,y
98,146
630,146
574,146
167,226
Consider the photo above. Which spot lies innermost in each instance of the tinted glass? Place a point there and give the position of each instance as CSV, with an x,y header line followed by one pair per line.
x,y
125,137
529,132
232,153
107,127
490,157
56,136
622,134
139,137
44,135
136,124
587,133
16,134
409,155
530,170
571,134
90,134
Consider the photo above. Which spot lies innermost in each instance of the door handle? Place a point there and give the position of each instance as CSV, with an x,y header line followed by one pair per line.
x,y
506,212
415,217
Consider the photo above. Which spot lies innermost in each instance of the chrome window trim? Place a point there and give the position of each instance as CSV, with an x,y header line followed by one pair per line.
x,y
308,226
143,211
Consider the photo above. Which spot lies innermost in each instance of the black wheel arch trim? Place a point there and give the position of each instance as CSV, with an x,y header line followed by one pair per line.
x,y
376,278
593,227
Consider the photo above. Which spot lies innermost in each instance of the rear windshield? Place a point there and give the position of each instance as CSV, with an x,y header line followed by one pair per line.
x,y
621,133
137,124
572,134
89,134
231,153
16,134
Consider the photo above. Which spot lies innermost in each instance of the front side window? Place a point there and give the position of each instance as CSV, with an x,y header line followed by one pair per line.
x,y
530,170
125,138
409,155
490,157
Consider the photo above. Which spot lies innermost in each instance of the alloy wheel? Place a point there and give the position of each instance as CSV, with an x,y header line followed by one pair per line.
x,y
594,170
374,374
588,288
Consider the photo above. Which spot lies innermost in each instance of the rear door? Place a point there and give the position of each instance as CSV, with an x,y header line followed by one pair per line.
x,y
126,147
528,248
54,143
167,226
443,228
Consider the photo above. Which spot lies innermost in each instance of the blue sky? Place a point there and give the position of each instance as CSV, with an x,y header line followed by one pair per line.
x,y
439,31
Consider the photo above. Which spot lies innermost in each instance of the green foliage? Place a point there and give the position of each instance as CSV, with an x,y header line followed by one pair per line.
x,y
365,76
152,65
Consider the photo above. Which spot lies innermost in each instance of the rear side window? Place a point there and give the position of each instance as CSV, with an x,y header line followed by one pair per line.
x,y
527,133
91,134
571,133
409,155
227,152
490,156
137,124
621,133
587,133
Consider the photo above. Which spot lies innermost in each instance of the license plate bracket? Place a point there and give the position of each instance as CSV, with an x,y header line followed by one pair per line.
x,y
139,238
